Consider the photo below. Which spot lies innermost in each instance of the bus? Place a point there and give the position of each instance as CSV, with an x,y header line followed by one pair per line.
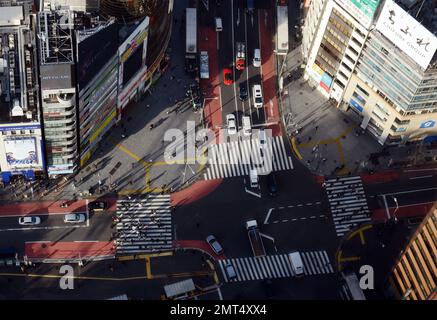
x,y
282,30
191,40
350,287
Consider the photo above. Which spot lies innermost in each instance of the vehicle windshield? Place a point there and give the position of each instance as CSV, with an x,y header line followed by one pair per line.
x,y
228,76
258,100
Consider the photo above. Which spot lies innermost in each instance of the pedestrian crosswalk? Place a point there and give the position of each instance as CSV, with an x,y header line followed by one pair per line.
x,y
143,225
275,266
237,158
348,203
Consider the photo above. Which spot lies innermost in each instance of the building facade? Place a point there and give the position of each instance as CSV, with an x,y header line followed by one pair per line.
x,y
58,90
414,275
106,63
97,67
393,91
356,54
21,140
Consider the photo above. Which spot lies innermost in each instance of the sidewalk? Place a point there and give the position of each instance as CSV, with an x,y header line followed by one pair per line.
x,y
329,143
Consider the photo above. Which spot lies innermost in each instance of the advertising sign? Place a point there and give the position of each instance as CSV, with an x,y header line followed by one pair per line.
x,y
355,104
21,152
315,72
56,76
362,10
95,51
427,124
407,33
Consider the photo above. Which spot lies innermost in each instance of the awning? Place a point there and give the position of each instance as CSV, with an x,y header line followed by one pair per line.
x,y
178,288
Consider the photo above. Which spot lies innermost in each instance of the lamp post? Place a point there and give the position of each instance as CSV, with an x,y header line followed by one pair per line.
x,y
397,207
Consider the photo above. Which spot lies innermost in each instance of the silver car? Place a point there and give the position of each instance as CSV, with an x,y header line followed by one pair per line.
x,y
214,244
29,221
74,218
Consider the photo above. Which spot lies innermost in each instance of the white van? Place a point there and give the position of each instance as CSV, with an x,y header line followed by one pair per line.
x,y
253,178
257,58
247,127
218,24
296,263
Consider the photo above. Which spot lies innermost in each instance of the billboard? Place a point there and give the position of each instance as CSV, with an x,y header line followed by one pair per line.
x,y
95,51
56,76
407,33
133,64
21,152
362,10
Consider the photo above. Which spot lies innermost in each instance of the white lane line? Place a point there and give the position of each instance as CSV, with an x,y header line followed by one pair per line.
x,y
422,177
43,228
268,215
35,214
409,191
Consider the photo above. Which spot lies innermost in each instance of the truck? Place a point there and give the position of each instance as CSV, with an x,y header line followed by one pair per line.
x,y
240,56
282,30
191,40
204,65
255,238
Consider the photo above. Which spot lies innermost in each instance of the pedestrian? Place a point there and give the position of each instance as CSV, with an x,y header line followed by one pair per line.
x,y
317,127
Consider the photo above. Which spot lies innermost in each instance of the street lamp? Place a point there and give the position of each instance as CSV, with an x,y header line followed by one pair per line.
x,y
397,207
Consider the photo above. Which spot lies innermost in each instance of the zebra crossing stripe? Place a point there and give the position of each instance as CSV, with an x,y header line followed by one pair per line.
x,y
284,160
325,254
284,259
223,270
307,267
276,266
236,158
278,262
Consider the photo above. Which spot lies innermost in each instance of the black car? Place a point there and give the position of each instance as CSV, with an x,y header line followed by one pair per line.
x,y
97,205
272,184
243,92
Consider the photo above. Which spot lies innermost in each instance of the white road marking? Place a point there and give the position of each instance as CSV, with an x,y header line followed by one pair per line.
x,y
268,215
421,177
44,228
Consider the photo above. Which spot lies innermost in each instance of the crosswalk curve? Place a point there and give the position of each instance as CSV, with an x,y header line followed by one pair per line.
x,y
275,266
348,203
144,225
237,158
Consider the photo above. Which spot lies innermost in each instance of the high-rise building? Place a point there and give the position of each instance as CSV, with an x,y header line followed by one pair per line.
x,y
93,64
21,143
414,275
58,90
379,62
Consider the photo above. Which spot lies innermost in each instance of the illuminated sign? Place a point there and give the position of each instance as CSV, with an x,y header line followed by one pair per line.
x,y
134,43
407,34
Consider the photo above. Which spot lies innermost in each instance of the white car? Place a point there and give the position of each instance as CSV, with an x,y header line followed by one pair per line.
x,y
231,124
74,218
262,137
29,221
247,127
257,58
257,96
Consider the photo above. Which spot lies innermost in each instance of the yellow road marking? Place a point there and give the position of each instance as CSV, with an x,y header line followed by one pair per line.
x,y
148,269
350,259
362,229
340,153
295,148
363,240
55,276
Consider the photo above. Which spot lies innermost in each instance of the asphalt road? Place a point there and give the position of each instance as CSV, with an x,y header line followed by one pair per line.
x,y
97,227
